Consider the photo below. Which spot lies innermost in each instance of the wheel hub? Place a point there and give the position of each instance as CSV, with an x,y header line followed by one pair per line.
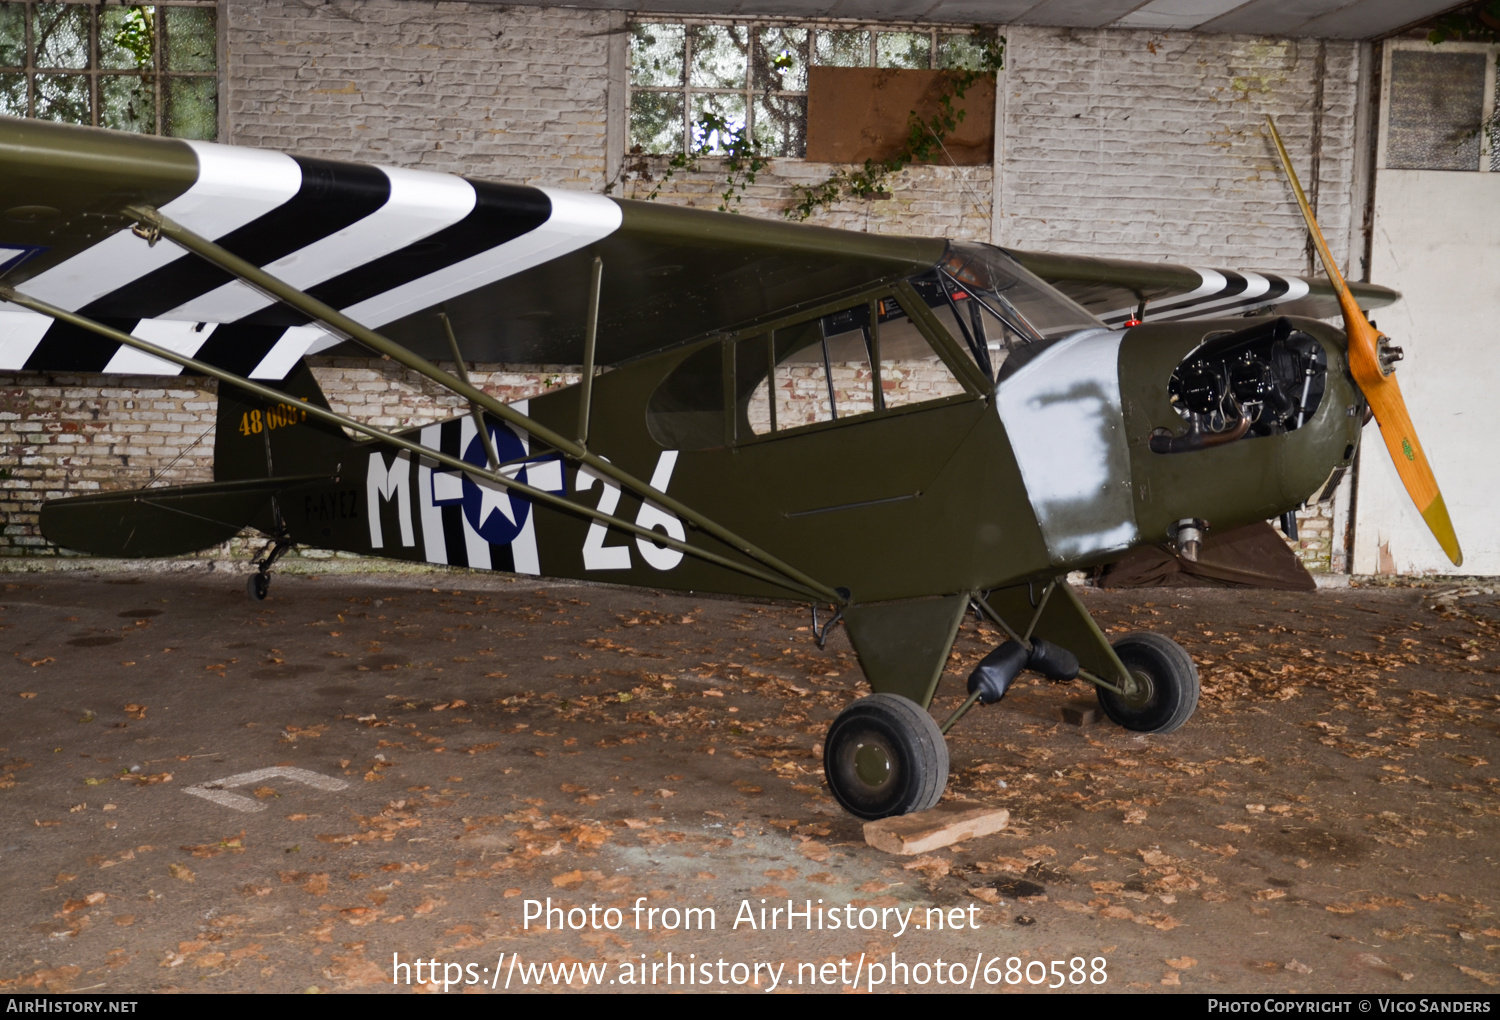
x,y
872,763
1137,689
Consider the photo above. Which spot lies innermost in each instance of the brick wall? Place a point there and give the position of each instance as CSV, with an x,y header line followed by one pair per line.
x,y
70,435
1152,146
514,93
1134,144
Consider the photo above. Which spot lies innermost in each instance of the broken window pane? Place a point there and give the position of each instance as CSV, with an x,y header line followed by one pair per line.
x,y
780,60
127,39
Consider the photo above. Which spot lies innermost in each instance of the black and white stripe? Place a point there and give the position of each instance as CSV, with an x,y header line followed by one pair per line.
x,y
378,243
1220,293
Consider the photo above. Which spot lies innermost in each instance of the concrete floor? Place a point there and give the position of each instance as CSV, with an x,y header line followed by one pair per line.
x,y
1328,820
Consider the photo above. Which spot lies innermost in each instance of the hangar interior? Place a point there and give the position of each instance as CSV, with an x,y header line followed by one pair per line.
x,y
1123,130
373,770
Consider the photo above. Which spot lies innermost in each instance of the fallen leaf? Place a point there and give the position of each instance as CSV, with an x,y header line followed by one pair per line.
x,y
1480,975
1298,967
933,867
182,871
135,711
1182,962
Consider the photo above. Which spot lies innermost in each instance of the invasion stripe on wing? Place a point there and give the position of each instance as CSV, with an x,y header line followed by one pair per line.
x,y
378,243
1238,292
420,204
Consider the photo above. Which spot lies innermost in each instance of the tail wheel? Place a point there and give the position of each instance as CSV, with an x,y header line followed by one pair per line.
x,y
1163,689
258,586
885,755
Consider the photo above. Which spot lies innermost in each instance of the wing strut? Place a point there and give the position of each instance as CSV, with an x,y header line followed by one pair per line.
x,y
273,395
488,440
152,223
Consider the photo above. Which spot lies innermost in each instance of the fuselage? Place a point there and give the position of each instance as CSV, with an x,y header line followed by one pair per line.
x,y
1051,469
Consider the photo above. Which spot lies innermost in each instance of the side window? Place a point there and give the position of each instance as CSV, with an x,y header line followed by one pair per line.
x,y
856,361
686,412
807,373
910,370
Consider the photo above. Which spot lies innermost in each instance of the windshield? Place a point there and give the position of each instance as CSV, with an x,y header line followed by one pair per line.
x,y
1029,308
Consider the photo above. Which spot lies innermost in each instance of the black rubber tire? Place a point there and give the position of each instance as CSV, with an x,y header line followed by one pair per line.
x,y
258,586
1168,680
898,733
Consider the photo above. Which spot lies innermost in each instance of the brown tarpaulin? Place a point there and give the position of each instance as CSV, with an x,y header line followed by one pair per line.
x,y
1255,556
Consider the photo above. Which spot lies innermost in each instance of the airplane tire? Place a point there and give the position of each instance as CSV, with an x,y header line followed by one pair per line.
x,y
885,755
1167,685
258,586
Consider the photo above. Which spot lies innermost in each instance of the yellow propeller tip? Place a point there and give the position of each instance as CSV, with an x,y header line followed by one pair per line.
x,y
1441,525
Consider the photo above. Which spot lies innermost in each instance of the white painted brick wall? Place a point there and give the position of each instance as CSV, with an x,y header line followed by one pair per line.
x,y
1152,146
511,93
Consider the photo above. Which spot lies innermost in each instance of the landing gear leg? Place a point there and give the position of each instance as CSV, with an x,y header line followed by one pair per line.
x,y
259,583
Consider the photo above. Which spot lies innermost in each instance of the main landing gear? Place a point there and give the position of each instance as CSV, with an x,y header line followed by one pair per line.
x,y
885,755
258,585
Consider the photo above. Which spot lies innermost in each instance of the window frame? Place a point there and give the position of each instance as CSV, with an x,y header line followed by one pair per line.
x,y
946,347
749,92
159,74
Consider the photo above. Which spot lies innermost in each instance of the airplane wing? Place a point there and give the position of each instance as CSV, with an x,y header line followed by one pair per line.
x,y
1115,289
391,247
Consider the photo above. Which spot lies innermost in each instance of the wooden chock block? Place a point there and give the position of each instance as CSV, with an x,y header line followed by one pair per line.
x,y
1080,713
942,826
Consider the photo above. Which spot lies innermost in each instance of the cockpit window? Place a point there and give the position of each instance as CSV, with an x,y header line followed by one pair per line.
x,y
993,306
1011,293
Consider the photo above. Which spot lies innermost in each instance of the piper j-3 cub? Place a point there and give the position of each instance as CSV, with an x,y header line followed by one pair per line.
x,y
900,429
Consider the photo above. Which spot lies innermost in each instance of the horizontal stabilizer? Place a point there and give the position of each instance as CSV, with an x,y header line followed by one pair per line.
x,y
163,522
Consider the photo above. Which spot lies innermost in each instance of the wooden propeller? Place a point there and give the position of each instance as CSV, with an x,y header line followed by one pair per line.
x,y
1378,385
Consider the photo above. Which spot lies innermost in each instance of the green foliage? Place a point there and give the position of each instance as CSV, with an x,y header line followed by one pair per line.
x,y
714,135
924,138
1478,22
137,35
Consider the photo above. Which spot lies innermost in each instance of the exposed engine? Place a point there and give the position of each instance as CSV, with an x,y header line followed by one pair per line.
x,y
1264,380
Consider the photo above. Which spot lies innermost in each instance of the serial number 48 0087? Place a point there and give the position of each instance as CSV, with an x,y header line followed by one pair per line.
x,y
1053,974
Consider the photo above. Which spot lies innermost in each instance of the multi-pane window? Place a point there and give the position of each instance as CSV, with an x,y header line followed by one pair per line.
x,y
753,76
150,68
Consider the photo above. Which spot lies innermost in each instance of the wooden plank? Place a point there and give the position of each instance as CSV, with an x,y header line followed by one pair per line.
x,y
860,113
942,826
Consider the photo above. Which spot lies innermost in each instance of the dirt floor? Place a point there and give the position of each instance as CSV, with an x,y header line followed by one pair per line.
x,y
474,747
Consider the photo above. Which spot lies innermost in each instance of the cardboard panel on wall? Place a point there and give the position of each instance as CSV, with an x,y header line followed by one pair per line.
x,y
860,113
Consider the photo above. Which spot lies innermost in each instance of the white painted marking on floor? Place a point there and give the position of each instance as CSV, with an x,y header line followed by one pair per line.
x,y
217,790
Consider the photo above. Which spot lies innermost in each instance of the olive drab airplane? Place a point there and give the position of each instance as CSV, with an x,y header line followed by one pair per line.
x,y
896,430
